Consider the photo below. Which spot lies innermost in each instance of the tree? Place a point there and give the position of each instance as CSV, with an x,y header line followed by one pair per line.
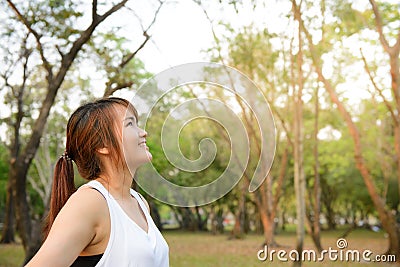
x,y
386,217
393,52
297,76
15,99
315,227
53,42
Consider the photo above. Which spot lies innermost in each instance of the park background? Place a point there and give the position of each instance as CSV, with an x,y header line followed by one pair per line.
x,y
329,69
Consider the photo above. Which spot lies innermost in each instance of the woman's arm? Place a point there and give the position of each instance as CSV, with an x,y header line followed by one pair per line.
x,y
73,229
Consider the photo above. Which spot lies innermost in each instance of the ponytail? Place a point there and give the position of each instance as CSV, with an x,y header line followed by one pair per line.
x,y
63,187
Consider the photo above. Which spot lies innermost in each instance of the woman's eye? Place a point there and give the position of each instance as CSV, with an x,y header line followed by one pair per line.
x,y
129,124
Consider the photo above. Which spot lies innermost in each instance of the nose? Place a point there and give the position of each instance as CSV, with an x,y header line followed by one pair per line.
x,y
143,133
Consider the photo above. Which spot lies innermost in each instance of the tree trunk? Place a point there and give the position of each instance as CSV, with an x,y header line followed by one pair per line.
x,y
327,201
283,220
316,229
189,223
267,204
213,221
216,219
267,212
264,202
201,223
238,228
29,230
220,220
299,177
7,236
268,225
397,149
26,228
246,219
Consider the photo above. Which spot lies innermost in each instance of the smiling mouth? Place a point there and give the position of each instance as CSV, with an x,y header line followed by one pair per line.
x,y
143,143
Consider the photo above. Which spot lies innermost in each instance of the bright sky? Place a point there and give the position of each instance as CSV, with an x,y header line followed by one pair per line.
x,y
182,30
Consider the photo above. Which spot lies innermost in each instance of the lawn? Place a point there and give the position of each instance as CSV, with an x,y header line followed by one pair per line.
x,y
11,255
204,249
198,249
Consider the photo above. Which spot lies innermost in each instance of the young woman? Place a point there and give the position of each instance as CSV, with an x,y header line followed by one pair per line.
x,y
104,222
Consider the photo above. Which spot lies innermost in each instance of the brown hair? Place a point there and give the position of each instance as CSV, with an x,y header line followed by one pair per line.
x,y
90,127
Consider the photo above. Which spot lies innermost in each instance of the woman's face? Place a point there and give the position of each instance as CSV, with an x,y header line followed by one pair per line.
x,y
135,150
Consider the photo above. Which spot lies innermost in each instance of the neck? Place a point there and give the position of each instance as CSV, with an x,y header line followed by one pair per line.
x,y
118,184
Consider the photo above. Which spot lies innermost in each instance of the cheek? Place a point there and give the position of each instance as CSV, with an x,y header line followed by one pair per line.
x,y
130,137
130,144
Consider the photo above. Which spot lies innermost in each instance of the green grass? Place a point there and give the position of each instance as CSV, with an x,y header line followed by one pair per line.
x,y
199,249
204,249
11,255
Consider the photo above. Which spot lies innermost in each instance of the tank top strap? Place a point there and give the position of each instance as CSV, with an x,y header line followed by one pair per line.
x,y
151,231
140,200
99,187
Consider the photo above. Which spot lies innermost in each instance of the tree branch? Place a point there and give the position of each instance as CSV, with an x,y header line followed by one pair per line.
x,y
132,55
36,187
281,177
111,10
37,36
95,16
379,27
55,83
145,34
59,51
379,90
285,128
109,91
396,47
127,58
84,37
215,37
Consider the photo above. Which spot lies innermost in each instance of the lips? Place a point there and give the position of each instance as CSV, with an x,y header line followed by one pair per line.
x,y
142,143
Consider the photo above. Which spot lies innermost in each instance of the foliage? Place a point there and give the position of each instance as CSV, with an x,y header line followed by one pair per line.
x,y
4,156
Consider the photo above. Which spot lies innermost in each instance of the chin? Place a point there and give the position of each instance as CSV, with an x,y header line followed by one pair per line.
x,y
149,156
145,159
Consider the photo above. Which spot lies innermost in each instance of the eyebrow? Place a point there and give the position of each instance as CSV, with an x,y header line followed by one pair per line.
x,y
130,118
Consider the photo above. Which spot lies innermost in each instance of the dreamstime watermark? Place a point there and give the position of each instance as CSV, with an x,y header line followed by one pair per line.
x,y
220,95
341,253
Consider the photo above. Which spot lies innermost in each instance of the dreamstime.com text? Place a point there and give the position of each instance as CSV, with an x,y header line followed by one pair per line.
x,y
331,254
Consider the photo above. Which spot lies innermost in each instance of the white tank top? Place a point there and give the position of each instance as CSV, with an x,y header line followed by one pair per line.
x,y
129,245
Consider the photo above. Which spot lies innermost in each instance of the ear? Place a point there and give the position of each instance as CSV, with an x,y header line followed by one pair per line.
x,y
103,151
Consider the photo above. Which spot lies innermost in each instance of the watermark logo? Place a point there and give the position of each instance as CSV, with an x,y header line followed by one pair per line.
x,y
331,254
223,96
341,243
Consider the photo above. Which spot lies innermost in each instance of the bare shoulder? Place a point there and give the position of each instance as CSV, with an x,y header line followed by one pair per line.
x,y
74,228
87,203
89,194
